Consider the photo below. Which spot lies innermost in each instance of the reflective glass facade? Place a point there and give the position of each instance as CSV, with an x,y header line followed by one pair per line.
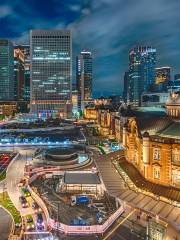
x,y
163,75
84,77
51,70
174,85
142,62
18,74
6,70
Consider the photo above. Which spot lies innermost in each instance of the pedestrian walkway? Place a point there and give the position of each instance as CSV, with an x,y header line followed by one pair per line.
x,y
168,192
115,186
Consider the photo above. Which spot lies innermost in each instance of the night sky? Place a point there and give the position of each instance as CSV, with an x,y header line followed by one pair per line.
x,y
109,28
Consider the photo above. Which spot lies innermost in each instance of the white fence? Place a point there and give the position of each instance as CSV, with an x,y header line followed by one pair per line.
x,y
94,229
74,230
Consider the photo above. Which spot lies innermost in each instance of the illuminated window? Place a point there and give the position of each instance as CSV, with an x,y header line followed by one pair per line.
x,y
156,154
156,173
176,155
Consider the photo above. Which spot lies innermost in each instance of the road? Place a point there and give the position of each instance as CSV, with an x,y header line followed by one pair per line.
x,y
15,173
5,224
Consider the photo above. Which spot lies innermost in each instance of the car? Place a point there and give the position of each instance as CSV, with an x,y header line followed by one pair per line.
x,y
36,207
22,183
23,201
25,192
39,222
30,222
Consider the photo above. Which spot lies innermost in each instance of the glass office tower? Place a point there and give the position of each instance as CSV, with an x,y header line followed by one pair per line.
x,y
142,62
84,78
6,70
51,71
18,74
174,85
163,76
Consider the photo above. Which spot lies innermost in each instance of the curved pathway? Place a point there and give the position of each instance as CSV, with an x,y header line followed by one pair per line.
x,y
5,224
15,173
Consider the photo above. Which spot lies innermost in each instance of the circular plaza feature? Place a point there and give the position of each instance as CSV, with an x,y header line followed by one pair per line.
x,y
62,156
70,156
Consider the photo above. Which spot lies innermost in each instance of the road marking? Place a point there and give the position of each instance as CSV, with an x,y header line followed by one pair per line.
x,y
121,222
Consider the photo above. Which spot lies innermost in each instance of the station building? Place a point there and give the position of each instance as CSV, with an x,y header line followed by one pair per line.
x,y
151,137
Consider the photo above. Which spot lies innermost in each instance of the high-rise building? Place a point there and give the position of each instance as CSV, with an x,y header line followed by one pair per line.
x,y
163,75
84,78
24,103
18,74
126,85
26,50
6,70
51,72
141,76
174,85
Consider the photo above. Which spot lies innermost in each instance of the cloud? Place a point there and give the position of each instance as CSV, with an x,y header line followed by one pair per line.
x,y
113,27
109,28
5,11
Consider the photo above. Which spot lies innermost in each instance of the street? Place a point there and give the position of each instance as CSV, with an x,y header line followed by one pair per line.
x,y
5,224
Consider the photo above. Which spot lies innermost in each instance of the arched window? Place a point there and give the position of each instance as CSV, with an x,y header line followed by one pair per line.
x,y
156,154
156,172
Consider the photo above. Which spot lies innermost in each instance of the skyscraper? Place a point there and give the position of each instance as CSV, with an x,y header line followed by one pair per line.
x,y
84,78
126,85
174,85
163,75
142,62
6,70
25,48
18,74
51,71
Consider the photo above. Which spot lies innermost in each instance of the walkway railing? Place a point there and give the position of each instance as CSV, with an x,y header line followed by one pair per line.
x,y
94,229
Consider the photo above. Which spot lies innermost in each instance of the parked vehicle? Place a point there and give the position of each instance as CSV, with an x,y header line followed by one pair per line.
x,y
30,222
78,200
39,222
25,192
23,201
36,207
22,182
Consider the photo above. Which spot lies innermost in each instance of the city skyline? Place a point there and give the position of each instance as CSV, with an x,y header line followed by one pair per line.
x,y
93,28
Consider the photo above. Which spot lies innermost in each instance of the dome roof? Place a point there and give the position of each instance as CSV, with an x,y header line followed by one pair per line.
x,y
174,99
145,134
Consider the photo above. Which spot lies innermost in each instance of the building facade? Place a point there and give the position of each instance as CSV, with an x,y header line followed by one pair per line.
x,y
126,86
18,74
158,99
25,49
163,76
150,136
174,85
51,72
141,74
84,78
6,70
